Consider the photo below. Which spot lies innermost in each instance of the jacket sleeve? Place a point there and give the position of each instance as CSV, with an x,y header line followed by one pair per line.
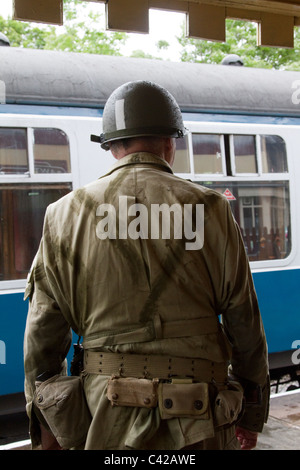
x,y
47,335
244,328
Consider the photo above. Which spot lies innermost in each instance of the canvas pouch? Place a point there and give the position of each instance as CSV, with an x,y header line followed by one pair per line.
x,y
184,400
62,403
130,391
228,405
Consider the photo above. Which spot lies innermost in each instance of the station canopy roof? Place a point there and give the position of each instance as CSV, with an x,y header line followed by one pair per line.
x,y
205,19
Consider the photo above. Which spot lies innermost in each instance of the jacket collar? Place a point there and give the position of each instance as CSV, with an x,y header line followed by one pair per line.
x,y
142,159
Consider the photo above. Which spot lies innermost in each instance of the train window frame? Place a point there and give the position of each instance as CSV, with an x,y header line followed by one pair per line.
x,y
280,138
276,212
36,150
258,157
22,213
222,151
17,174
33,180
232,154
187,140
228,155
31,175
260,177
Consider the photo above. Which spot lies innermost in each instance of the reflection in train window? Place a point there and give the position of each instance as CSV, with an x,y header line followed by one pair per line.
x,y
22,210
51,151
13,151
207,153
244,153
260,203
262,210
273,154
182,160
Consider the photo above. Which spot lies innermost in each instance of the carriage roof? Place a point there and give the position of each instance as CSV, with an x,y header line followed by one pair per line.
x,y
73,79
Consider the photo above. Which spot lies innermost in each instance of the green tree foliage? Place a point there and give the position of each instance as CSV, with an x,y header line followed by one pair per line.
x,y
76,35
241,38
161,45
23,34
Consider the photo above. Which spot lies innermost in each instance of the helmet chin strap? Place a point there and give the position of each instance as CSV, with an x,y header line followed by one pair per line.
x,y
95,138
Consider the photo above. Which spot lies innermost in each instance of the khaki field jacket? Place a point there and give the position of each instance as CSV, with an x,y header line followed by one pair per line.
x,y
108,268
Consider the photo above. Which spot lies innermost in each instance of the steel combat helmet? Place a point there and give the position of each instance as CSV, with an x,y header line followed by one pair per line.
x,y
140,108
232,59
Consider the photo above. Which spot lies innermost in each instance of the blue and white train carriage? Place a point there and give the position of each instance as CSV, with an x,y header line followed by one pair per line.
x,y
244,142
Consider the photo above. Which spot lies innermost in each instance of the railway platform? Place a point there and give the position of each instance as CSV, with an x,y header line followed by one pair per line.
x,y
282,432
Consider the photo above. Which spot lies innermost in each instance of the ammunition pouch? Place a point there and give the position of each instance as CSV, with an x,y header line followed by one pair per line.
x,y
179,398
62,404
229,405
130,391
184,400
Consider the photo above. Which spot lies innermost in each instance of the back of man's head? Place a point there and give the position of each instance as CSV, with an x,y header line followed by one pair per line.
x,y
163,147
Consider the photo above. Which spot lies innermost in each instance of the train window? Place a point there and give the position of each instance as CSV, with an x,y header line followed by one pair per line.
x,y
262,210
28,152
244,150
207,153
182,159
261,206
273,154
51,151
22,209
13,151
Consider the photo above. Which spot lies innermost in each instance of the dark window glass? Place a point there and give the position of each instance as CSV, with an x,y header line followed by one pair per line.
x,y
273,154
182,159
245,154
22,210
13,151
207,153
51,151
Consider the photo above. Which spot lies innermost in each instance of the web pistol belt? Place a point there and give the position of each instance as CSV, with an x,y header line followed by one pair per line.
x,y
154,366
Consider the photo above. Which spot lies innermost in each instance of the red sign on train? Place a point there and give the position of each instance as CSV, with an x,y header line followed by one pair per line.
x,y
228,194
